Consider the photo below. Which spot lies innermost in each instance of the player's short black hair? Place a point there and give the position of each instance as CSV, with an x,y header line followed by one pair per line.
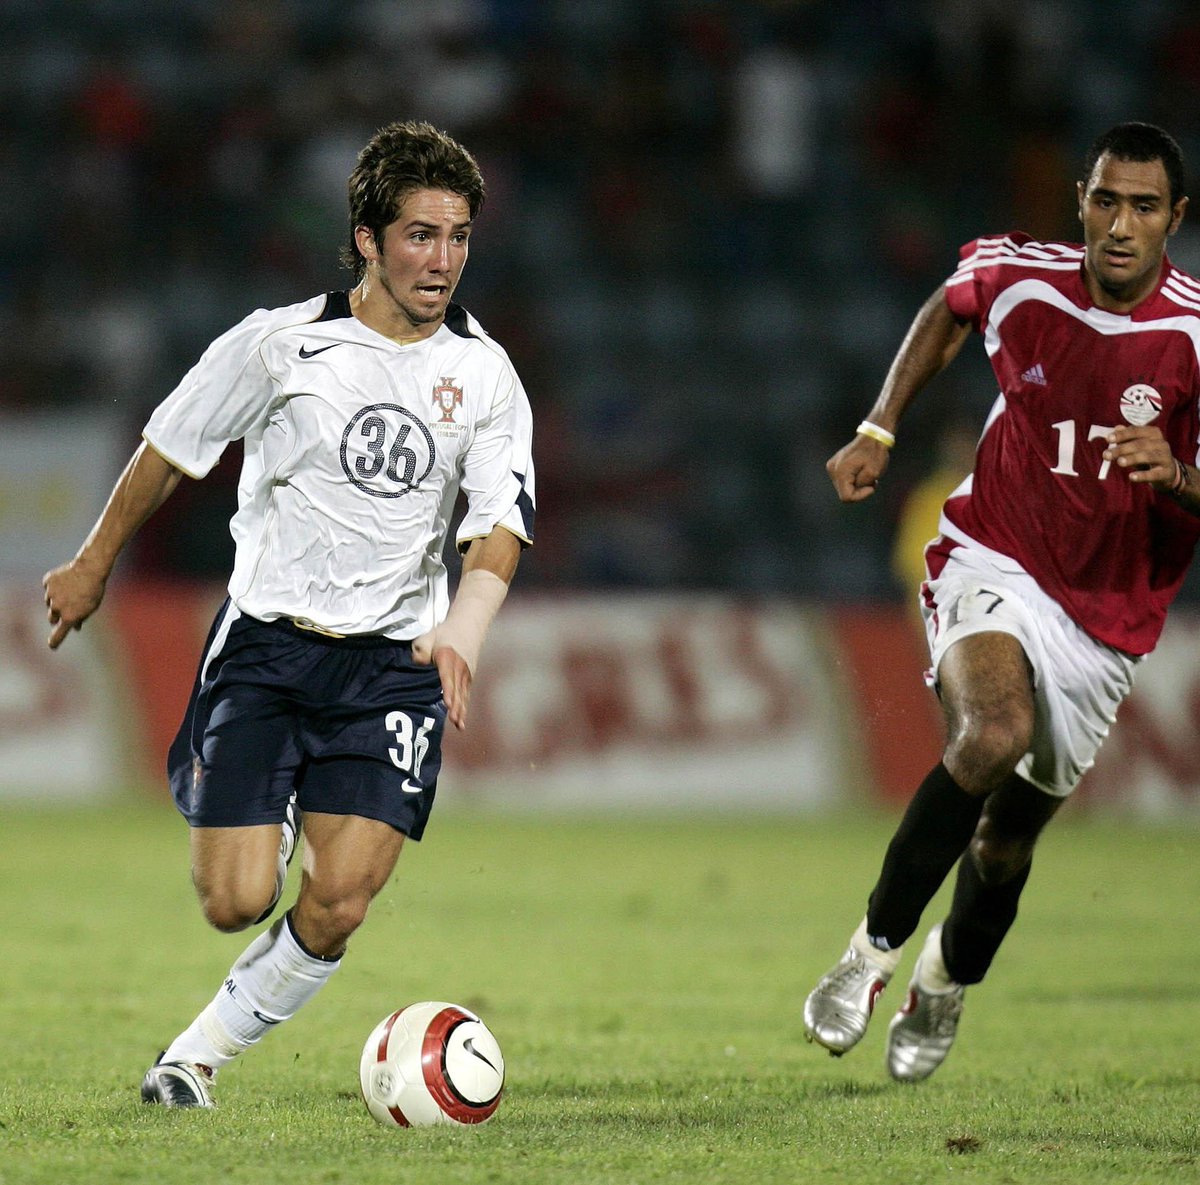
x,y
1140,142
398,160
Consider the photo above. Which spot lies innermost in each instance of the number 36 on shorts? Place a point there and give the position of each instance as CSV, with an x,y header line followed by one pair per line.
x,y
411,745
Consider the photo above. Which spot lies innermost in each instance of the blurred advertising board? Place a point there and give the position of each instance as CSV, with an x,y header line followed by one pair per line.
x,y
1150,764
588,701
656,702
55,475
64,717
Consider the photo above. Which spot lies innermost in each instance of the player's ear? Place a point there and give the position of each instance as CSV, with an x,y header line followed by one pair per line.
x,y
364,240
1177,215
1080,190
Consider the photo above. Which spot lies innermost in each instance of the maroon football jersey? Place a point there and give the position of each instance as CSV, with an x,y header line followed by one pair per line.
x,y
1113,553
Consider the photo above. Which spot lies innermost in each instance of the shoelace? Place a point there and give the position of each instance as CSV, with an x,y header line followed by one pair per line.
x,y
850,972
943,1012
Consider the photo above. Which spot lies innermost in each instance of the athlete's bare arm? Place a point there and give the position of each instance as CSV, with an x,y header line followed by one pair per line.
x,y
74,590
488,568
1147,457
932,342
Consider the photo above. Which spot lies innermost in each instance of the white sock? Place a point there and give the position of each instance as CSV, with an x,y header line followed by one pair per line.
x,y
884,960
931,967
273,977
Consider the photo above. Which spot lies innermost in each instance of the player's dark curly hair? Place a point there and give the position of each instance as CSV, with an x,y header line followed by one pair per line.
x,y
1139,142
399,159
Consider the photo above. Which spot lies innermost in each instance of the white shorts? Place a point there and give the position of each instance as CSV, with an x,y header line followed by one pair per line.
x,y
1078,682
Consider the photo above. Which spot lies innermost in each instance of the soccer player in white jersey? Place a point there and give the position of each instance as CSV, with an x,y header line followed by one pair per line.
x,y
333,666
1052,573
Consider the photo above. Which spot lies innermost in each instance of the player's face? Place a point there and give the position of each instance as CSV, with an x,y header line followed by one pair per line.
x,y
413,273
1125,207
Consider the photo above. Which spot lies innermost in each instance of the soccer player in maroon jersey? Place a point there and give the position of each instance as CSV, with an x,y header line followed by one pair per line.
x,y
1051,576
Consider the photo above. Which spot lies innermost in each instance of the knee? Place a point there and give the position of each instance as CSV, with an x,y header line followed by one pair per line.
x,y
344,916
237,906
982,753
327,919
230,913
998,860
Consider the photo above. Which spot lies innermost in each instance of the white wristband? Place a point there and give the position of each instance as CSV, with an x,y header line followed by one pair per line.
x,y
875,432
479,597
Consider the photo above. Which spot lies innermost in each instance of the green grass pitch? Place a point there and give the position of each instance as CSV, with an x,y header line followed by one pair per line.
x,y
645,979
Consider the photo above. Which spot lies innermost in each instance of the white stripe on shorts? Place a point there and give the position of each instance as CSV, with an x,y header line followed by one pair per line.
x,y
231,614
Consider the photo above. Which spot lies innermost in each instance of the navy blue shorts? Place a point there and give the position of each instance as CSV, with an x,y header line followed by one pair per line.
x,y
352,725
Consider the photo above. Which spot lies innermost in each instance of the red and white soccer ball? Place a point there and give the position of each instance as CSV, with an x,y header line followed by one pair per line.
x,y
431,1063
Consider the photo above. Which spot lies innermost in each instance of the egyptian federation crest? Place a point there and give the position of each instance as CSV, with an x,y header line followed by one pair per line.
x,y
446,397
1140,404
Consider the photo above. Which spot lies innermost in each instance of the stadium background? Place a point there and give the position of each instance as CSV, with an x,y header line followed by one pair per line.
x,y
708,227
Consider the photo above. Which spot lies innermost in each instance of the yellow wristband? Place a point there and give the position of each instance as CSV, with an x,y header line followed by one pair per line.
x,y
875,432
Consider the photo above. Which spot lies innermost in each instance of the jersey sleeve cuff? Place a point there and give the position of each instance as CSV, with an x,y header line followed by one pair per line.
x,y
189,472
464,541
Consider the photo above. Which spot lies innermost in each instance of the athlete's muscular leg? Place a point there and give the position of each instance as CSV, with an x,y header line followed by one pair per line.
x,y
1013,818
986,689
233,869
992,875
347,860
987,698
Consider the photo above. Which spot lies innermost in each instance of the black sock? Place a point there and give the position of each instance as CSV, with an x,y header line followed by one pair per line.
x,y
980,917
936,828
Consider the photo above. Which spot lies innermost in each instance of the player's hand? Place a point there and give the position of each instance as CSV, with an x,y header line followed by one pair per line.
x,y
453,671
1143,454
73,593
856,469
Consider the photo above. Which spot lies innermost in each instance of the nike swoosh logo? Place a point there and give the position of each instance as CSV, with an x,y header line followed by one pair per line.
x,y
469,1046
319,350
409,788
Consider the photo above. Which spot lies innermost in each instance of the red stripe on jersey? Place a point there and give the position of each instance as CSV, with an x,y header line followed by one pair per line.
x,y
1019,250
1185,281
937,552
1181,296
967,271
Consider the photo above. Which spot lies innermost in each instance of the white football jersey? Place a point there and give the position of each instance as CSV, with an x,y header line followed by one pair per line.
x,y
355,450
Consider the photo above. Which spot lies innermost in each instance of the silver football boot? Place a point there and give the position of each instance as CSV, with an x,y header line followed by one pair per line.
x,y
921,1033
838,1008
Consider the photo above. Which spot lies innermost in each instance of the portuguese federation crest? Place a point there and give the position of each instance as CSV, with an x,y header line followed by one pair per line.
x,y
446,397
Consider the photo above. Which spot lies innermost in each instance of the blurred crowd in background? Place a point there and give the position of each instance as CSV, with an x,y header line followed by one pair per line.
x,y
708,227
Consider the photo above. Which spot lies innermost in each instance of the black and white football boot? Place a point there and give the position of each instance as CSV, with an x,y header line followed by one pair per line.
x,y
178,1084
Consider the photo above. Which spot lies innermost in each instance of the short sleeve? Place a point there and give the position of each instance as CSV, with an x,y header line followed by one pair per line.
x,y
218,401
498,478
975,283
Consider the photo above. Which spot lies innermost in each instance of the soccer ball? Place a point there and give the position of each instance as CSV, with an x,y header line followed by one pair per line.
x,y
431,1063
